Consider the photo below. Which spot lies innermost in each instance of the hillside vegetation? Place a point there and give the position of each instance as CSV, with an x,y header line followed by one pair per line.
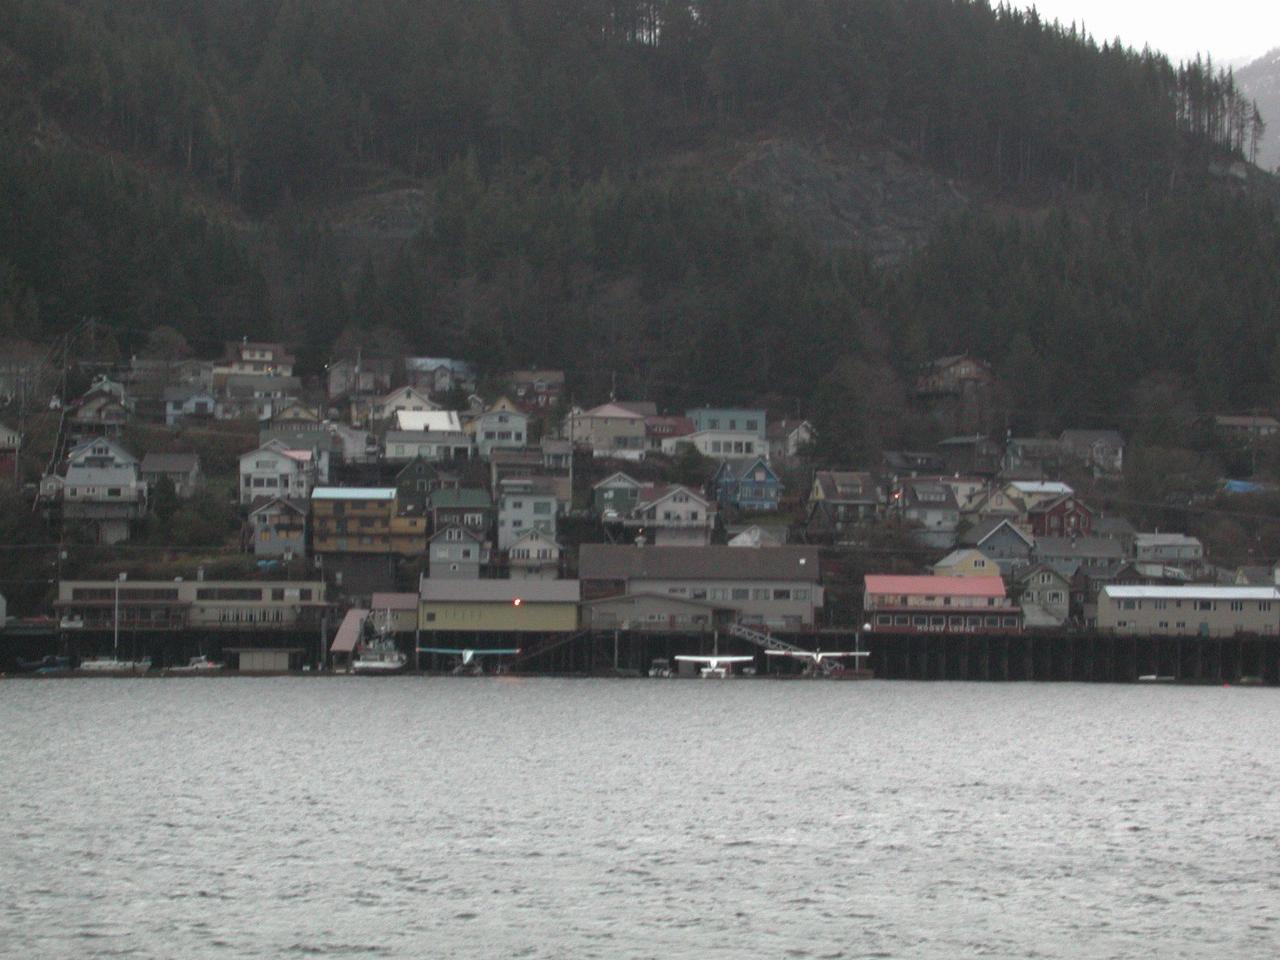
x,y
575,170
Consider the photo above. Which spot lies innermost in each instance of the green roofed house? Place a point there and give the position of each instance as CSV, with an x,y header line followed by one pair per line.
x,y
468,507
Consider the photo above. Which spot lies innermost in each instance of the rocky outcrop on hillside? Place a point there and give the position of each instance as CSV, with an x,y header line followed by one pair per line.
x,y
870,198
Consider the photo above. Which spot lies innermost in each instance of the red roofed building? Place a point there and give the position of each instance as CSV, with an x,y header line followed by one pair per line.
x,y
964,605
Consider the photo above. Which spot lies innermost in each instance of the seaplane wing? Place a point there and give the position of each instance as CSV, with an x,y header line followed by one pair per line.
x,y
817,656
468,654
713,661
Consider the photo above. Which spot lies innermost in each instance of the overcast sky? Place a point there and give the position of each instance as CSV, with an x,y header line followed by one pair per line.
x,y
1230,30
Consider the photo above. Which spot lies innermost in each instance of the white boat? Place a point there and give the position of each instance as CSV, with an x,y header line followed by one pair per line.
x,y
378,656
198,665
112,665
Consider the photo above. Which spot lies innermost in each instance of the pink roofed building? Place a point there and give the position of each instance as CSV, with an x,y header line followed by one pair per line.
x,y
955,605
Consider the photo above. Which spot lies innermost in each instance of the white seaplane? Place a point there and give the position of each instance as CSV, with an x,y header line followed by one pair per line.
x,y
468,659
820,662
716,667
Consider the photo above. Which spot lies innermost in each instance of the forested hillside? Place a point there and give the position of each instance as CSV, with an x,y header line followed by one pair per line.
x,y
576,199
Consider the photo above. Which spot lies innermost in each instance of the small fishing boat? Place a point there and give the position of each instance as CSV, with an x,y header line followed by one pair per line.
x,y
378,656
200,664
45,665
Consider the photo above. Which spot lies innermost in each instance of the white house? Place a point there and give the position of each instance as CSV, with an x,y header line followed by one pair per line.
x,y
273,470
719,444
534,555
497,429
402,398
672,516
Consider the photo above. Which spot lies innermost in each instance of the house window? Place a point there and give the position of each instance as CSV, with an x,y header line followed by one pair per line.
x,y
741,593
782,594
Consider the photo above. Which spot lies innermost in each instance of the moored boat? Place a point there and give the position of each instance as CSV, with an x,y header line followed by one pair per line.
x,y
200,664
378,656
112,665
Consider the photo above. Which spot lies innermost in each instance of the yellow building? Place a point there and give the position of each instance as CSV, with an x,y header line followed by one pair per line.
x,y
365,520
498,606
966,562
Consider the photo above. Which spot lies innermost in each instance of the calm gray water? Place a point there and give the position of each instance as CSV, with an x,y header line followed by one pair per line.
x,y
671,819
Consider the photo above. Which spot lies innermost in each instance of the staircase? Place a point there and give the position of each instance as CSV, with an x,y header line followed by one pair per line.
x,y
762,639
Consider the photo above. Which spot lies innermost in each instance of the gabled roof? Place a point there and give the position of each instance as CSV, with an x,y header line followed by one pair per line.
x,y
846,486
959,556
669,426
476,535
81,450
282,503
615,411
652,494
421,421
740,467
1042,488
1044,506
781,429
533,533
470,498
1024,575
985,530
170,462
929,493
617,479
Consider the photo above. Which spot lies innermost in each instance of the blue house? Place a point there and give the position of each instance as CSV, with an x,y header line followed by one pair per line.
x,y
747,483
734,420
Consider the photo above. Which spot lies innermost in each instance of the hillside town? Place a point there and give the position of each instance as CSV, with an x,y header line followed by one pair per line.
x,y
413,487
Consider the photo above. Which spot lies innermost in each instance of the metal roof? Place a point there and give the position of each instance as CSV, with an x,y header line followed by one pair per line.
x,y
1192,591
394,601
348,635
499,591
607,562
353,493
936,586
